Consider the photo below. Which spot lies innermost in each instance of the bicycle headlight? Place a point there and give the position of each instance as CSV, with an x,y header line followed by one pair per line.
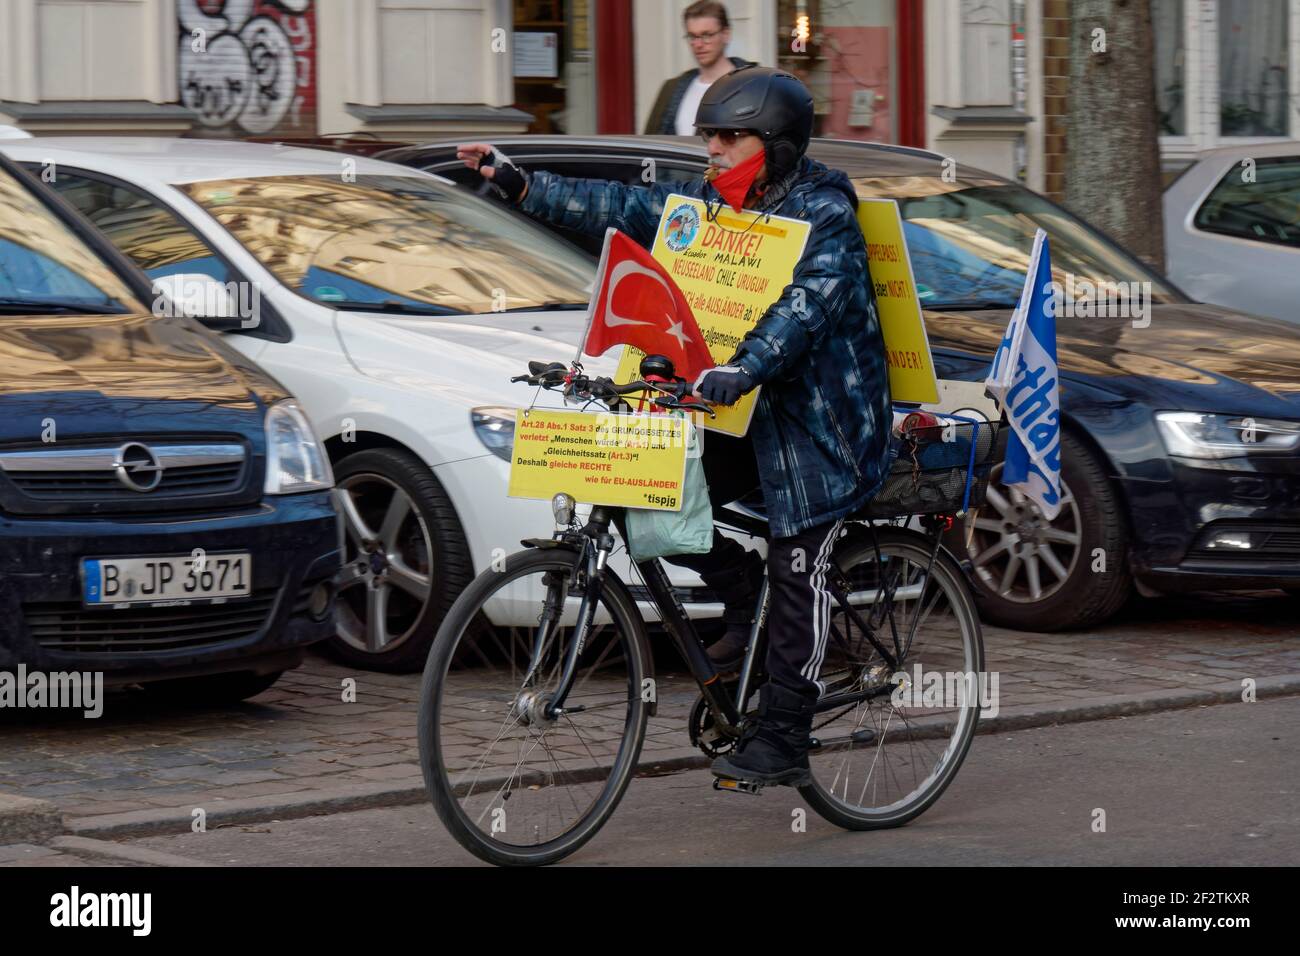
x,y
295,460
1212,436
562,506
495,427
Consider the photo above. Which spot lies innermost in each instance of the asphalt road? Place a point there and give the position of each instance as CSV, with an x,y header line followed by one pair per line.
x,y
1214,785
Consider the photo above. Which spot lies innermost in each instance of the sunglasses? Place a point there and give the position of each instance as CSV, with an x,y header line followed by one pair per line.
x,y
728,136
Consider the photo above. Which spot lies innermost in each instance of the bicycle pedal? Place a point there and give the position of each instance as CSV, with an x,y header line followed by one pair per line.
x,y
736,786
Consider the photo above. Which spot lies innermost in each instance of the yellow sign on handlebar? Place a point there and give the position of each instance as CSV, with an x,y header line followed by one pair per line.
x,y
601,458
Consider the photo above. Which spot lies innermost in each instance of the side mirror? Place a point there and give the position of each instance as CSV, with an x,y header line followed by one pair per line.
x,y
216,304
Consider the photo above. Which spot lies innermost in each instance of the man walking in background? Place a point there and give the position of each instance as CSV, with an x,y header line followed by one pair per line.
x,y
708,31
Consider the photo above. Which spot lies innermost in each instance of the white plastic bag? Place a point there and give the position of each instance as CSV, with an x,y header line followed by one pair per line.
x,y
654,533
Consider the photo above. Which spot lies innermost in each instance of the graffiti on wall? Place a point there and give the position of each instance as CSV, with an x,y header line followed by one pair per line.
x,y
248,67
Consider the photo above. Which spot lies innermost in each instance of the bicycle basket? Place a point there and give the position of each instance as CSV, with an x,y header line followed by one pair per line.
x,y
930,477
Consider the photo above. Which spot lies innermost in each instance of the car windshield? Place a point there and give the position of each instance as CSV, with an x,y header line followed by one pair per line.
x,y
45,268
970,243
397,244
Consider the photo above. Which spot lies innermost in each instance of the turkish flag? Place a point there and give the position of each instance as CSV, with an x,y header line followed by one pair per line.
x,y
636,302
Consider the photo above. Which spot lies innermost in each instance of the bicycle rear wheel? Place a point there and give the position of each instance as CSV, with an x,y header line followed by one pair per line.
x,y
885,760
512,785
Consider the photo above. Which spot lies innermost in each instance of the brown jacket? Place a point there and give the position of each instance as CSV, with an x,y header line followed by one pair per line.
x,y
663,117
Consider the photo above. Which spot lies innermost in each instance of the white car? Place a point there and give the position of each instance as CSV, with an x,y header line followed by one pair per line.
x,y
1232,228
396,306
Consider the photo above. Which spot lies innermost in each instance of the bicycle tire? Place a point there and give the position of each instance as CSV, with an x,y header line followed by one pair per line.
x,y
915,547
463,615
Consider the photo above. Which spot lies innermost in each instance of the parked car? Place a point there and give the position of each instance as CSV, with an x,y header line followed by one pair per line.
x,y
166,515
1181,447
396,307
1232,229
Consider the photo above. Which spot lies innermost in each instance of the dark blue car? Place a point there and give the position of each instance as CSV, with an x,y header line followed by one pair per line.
x,y
166,514
1181,422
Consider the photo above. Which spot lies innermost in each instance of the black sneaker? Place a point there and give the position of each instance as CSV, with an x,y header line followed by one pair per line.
x,y
774,751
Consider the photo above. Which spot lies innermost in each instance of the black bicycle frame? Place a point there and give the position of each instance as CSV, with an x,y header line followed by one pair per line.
x,y
598,543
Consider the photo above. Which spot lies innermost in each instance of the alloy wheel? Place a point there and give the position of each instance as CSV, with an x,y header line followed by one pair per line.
x,y
388,568
1016,552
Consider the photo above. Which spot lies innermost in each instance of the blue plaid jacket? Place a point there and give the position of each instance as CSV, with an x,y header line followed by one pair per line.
x,y
821,426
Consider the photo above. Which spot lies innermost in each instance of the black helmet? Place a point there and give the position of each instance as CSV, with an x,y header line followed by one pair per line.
x,y
773,103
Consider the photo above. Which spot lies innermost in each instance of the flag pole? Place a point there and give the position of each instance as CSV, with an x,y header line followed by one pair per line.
x,y
595,291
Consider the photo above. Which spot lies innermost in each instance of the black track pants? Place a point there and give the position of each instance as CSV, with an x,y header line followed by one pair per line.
x,y
799,605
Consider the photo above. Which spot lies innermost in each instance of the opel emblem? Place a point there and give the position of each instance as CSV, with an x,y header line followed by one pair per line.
x,y
137,467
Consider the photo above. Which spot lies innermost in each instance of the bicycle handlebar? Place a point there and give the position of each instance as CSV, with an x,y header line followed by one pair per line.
x,y
667,394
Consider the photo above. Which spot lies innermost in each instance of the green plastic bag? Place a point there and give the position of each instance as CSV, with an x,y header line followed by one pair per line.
x,y
654,533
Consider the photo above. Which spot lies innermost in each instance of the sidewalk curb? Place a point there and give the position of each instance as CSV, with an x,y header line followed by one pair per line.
x,y
139,823
26,820
88,848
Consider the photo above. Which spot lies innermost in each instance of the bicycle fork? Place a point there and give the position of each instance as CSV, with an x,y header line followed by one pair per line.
x,y
596,556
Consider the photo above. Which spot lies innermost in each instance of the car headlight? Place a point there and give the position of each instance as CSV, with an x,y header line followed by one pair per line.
x,y
295,460
1206,435
495,427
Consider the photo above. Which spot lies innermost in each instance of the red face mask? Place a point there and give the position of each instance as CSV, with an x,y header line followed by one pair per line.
x,y
734,183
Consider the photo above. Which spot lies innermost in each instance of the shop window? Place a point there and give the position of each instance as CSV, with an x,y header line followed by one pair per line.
x,y
1170,32
1253,70
844,51
555,64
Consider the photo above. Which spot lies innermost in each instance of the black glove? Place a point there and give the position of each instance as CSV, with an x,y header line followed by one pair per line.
x,y
723,385
508,181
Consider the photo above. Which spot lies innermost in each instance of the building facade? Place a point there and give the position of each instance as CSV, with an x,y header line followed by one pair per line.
x,y
984,82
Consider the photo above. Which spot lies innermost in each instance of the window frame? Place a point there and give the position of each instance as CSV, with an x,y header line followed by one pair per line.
x,y
273,326
1201,85
126,270
1233,169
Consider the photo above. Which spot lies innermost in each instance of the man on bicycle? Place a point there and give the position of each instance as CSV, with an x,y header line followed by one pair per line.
x,y
818,443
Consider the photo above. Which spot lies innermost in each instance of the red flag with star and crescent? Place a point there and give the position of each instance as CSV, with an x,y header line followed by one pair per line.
x,y
636,302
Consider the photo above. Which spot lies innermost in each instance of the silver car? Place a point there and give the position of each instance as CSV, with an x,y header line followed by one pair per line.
x,y
1232,229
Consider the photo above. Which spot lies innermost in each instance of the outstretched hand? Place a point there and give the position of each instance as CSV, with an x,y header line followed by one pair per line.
x,y
495,168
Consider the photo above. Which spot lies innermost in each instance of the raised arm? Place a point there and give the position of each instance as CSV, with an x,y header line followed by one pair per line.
x,y
589,206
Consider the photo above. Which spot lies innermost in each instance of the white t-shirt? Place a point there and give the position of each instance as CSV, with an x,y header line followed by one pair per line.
x,y
690,103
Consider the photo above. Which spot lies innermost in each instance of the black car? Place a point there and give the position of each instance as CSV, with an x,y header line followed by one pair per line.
x,y
166,515
1181,426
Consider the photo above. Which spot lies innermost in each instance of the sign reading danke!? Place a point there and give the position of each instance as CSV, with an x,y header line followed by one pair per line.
x,y
730,268
600,458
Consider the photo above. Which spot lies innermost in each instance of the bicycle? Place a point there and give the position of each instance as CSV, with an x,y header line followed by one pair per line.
x,y
550,650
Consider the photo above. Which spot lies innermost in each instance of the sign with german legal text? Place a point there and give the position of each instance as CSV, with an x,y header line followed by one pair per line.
x,y
600,458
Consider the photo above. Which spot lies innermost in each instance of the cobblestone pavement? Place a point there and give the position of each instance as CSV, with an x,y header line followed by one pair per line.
x,y
300,738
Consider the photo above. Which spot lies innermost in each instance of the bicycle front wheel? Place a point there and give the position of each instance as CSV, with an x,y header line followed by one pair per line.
x,y
513,785
885,760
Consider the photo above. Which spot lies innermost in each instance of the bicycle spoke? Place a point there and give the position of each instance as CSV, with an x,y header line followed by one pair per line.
x,y
504,778
905,760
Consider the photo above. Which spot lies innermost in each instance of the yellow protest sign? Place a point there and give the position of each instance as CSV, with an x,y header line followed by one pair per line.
x,y
600,458
907,349
730,270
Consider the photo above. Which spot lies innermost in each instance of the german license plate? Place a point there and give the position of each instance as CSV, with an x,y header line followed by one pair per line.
x,y
167,579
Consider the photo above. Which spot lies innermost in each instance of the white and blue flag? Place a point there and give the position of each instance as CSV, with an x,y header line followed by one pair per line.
x,y
1024,381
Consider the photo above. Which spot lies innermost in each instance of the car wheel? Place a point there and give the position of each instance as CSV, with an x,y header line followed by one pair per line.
x,y
211,690
405,561
1033,574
